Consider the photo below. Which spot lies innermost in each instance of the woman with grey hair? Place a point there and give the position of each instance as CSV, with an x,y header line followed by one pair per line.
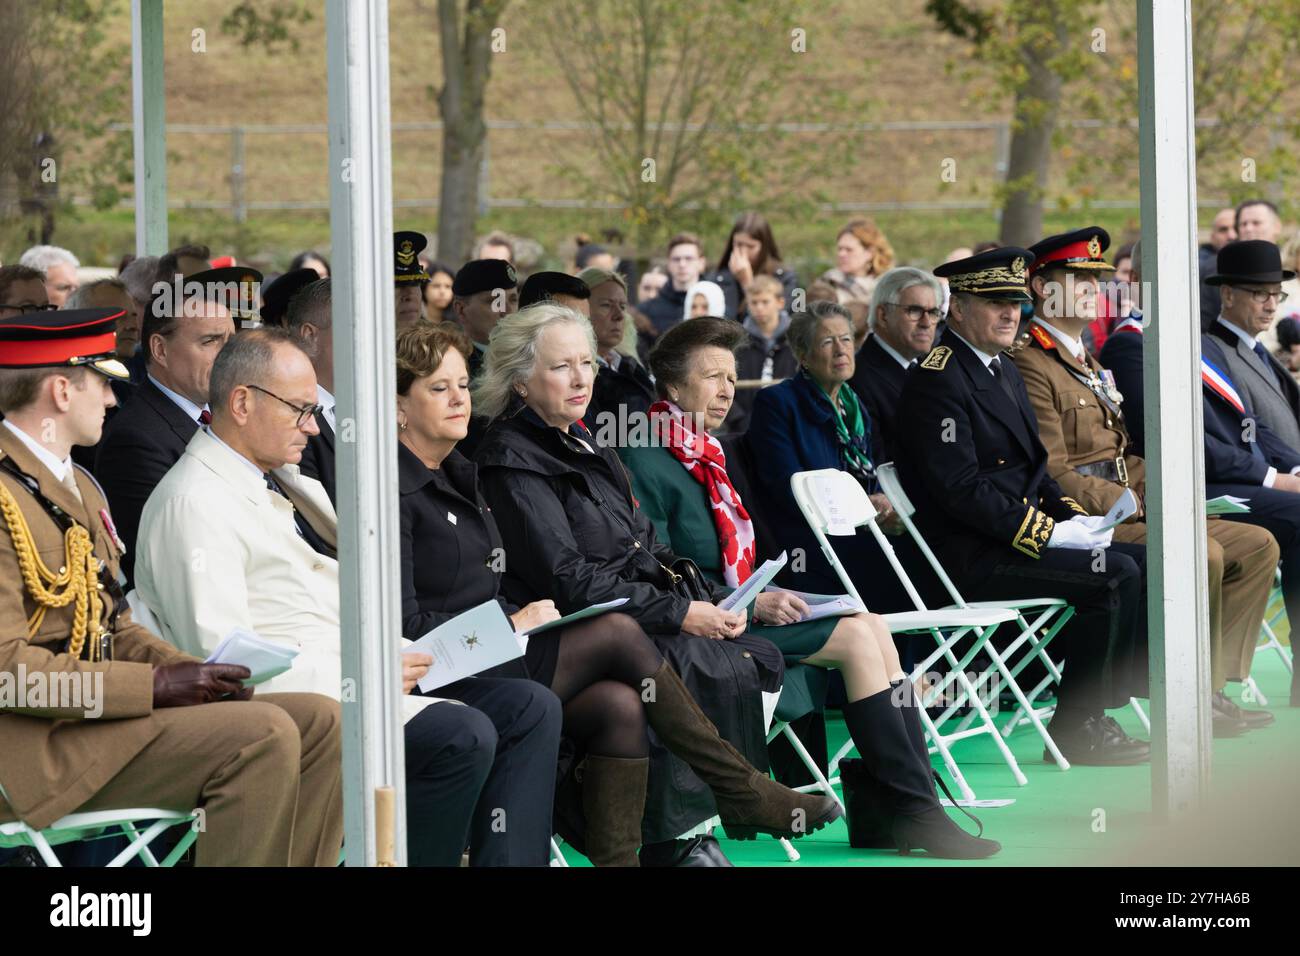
x,y
572,532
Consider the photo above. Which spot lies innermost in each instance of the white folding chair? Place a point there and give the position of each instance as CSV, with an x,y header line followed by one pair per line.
x,y
101,824
1268,641
833,503
1034,616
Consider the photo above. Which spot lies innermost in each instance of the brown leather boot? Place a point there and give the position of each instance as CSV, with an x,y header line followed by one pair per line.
x,y
613,801
749,802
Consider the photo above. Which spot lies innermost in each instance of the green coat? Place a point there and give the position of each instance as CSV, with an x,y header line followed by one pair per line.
x,y
678,507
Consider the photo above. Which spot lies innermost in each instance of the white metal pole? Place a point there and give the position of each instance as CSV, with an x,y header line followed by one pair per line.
x,y
365,379
148,107
1176,551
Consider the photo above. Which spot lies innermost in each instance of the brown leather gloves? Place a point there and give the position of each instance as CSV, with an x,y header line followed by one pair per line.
x,y
193,682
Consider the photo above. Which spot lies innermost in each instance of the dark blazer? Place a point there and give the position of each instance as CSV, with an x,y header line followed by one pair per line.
x,y
971,462
318,457
123,391
629,386
1122,355
878,380
1230,457
570,526
792,429
1267,383
448,566
139,446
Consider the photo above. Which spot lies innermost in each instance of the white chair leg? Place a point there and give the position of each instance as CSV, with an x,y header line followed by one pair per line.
x,y
811,765
557,858
791,853
1007,755
941,746
1028,708
1141,714
1251,693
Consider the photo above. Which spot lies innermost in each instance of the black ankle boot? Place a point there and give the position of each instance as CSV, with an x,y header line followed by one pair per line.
x,y
698,851
879,730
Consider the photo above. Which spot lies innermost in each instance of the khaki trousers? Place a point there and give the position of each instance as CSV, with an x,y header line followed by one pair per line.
x,y
1242,562
267,774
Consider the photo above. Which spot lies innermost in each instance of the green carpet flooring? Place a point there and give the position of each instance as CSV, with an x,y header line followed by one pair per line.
x,y
1087,816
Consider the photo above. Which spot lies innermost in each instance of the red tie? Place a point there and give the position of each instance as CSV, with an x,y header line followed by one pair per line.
x,y
205,417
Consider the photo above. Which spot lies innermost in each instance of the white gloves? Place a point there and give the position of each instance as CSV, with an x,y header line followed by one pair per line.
x,y
1080,532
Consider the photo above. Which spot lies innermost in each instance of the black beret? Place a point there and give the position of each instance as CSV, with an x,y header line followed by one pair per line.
x,y
484,275
275,299
541,286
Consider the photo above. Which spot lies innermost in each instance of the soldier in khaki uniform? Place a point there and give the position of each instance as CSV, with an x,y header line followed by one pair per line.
x,y
1081,424
156,728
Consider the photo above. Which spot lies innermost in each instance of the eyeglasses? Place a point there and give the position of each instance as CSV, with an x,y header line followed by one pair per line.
x,y
914,312
28,307
1263,295
305,412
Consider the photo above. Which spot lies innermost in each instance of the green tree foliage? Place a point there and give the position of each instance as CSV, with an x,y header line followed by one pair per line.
x,y
680,97
61,85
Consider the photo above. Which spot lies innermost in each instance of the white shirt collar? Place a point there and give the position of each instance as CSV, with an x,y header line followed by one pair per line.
x,y
1244,336
247,464
979,353
59,469
183,403
892,352
1070,342
326,401
613,360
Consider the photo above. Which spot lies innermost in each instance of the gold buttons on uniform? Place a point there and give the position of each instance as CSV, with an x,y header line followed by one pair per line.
x,y
1002,461
1083,401
746,655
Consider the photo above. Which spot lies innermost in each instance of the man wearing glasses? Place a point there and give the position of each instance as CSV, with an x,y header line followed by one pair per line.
x,y
1251,296
904,316
226,542
1250,408
22,290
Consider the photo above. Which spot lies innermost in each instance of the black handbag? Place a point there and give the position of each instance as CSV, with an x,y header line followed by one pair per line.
x,y
686,579
866,811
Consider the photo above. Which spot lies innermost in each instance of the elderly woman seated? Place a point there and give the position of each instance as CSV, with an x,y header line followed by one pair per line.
x,y
682,484
815,420
572,534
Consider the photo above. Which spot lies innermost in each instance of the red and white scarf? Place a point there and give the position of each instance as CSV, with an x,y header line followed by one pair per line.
x,y
702,456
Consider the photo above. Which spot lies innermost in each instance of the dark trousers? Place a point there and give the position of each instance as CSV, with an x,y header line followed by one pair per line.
x,y
482,774
1103,646
1279,513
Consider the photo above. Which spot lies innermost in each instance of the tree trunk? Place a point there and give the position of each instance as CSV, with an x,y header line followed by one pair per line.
x,y
1038,100
465,66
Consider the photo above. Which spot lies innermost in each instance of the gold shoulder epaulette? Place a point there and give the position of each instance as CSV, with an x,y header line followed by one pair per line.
x,y
937,358
1018,345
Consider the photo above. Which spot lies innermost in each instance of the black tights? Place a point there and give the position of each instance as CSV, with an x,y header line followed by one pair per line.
x,y
598,677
